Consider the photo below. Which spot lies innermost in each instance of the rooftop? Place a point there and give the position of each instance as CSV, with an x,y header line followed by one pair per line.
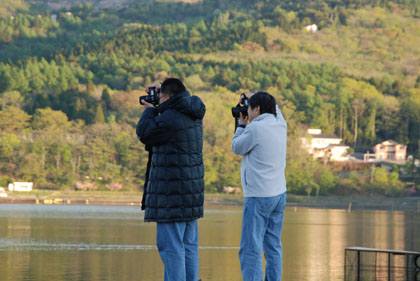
x,y
325,136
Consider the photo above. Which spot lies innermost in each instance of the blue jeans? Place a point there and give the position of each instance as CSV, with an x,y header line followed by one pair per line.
x,y
261,230
177,243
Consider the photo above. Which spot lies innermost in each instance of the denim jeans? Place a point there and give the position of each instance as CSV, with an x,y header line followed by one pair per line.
x,y
177,243
261,230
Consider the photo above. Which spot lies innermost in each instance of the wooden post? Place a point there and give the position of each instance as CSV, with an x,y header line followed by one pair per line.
x,y
389,266
345,264
358,265
372,171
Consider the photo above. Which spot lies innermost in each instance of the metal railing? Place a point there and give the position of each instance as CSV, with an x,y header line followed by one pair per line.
x,y
391,268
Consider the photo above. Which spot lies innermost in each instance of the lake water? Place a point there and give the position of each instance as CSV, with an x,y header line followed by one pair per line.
x,y
94,243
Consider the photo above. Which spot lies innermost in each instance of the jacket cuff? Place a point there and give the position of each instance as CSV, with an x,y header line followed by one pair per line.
x,y
240,129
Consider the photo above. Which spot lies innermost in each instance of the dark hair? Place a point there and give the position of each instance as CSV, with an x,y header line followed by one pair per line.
x,y
172,86
265,101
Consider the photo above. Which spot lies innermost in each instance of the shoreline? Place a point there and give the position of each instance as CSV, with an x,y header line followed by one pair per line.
x,y
406,204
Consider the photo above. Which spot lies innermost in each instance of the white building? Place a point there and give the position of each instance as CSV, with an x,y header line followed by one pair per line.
x,y
312,28
3,193
338,152
21,186
321,145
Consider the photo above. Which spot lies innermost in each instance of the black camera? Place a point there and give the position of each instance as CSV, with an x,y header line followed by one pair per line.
x,y
242,107
152,97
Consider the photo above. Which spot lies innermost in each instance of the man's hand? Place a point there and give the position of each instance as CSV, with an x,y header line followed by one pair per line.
x,y
242,120
248,95
146,105
154,85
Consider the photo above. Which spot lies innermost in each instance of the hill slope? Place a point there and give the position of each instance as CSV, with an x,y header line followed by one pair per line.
x,y
10,7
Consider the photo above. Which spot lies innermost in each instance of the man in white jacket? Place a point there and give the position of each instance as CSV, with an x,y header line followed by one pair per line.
x,y
262,144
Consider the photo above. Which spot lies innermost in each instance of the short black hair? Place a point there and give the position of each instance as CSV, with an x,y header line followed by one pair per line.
x,y
265,101
172,86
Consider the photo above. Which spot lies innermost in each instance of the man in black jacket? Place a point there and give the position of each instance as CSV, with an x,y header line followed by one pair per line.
x,y
174,193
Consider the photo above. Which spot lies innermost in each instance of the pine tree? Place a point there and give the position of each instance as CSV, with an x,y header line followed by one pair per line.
x,y
99,117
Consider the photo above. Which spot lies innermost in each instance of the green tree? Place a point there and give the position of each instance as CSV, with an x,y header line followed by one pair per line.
x,y
99,116
9,146
46,119
106,99
13,119
12,98
362,94
327,180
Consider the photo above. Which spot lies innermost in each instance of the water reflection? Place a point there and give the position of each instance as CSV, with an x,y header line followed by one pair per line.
x,y
314,240
89,243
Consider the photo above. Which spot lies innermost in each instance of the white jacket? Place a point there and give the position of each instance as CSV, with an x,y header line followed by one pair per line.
x,y
263,146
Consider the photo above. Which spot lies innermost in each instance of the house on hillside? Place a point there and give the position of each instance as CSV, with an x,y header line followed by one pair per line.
x,y
21,186
323,146
388,150
312,28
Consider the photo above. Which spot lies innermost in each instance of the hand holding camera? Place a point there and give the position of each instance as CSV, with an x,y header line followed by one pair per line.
x,y
241,107
240,112
153,96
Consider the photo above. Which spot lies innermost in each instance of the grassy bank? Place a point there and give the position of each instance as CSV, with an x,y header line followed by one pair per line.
x,y
411,204
74,197
408,204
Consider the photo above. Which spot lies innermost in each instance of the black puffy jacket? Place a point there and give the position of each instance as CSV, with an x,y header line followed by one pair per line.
x,y
174,130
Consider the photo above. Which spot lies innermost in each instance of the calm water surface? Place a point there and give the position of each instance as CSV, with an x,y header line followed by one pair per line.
x,y
94,243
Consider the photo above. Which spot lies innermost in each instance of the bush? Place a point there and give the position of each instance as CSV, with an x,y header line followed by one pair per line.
x,y
4,181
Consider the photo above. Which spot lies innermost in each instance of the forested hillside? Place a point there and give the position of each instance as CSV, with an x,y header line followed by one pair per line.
x,y
70,81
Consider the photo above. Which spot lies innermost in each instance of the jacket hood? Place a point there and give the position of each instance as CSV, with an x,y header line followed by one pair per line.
x,y
192,106
264,116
